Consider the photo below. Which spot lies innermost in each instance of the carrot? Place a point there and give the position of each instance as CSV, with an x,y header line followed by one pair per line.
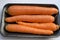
x,y
46,26
26,10
31,18
26,29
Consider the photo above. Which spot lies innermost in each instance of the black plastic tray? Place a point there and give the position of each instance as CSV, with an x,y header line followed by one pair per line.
x,y
21,35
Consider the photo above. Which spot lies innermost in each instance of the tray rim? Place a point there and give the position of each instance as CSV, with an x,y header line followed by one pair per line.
x,y
23,3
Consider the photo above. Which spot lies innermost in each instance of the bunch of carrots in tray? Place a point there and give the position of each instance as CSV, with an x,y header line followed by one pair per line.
x,y
32,19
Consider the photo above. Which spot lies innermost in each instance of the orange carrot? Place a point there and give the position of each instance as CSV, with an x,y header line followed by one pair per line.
x,y
25,10
31,18
46,26
26,29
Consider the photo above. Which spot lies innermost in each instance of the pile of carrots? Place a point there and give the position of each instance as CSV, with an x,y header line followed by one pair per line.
x,y
31,19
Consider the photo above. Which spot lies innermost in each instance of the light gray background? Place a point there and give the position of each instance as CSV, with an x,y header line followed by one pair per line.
x,y
3,2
